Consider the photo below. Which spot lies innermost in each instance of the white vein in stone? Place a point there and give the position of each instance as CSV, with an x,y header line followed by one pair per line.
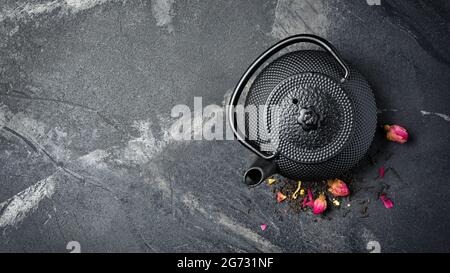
x,y
294,17
15,209
32,9
163,13
229,224
443,116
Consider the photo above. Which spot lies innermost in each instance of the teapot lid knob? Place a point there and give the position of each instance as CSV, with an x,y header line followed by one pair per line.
x,y
309,117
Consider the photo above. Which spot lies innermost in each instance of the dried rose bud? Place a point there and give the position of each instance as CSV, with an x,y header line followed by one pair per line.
x,y
281,197
396,133
386,201
320,205
338,188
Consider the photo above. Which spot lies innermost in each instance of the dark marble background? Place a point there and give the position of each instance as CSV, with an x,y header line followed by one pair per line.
x,y
86,92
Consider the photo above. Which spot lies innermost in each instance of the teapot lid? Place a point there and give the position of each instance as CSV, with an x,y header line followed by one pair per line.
x,y
309,117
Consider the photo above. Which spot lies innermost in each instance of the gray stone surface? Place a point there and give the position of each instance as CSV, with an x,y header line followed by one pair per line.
x,y
86,92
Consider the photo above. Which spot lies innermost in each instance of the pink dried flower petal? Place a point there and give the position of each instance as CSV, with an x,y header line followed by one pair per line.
x,y
263,227
310,202
305,200
281,197
310,195
386,201
381,172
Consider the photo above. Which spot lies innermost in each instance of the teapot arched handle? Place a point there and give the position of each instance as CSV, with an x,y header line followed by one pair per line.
x,y
259,62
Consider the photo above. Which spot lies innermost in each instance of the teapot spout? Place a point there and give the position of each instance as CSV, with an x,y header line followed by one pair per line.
x,y
259,171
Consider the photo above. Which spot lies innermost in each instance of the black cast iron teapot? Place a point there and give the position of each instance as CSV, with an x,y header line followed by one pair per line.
x,y
309,115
